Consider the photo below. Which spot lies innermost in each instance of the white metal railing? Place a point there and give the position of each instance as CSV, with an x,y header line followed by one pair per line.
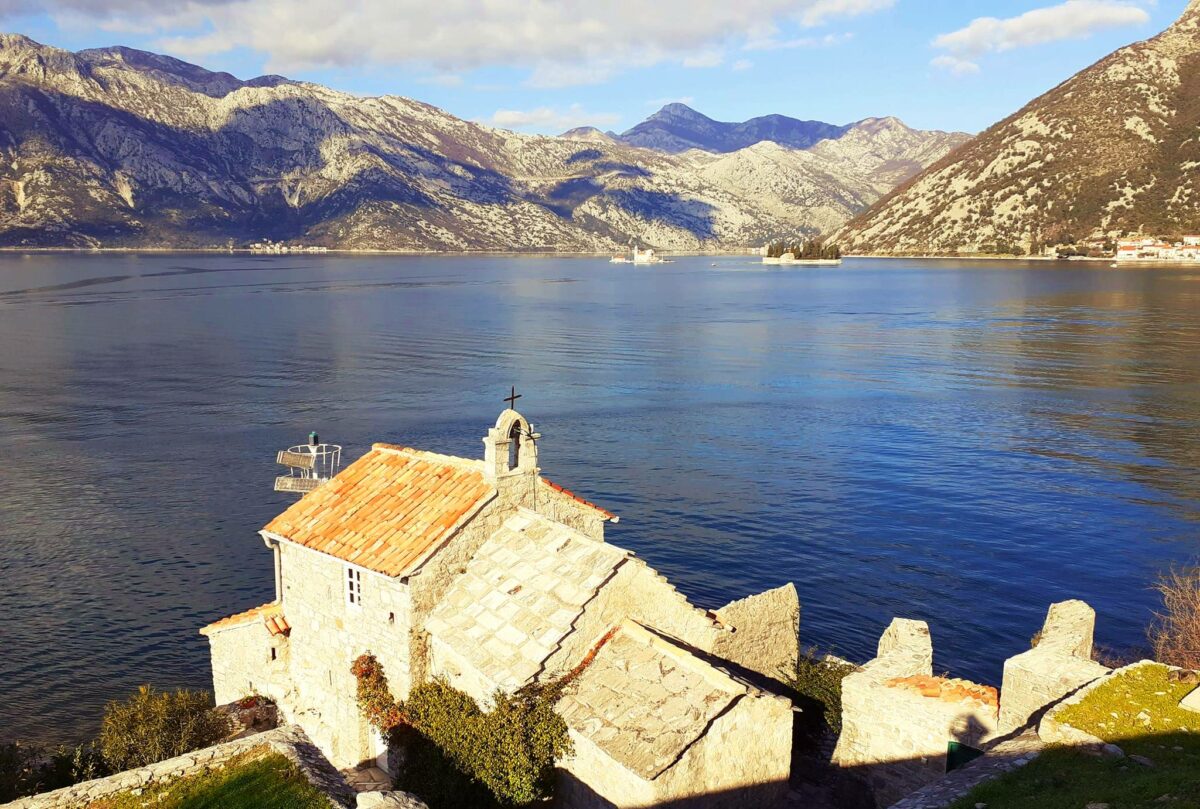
x,y
309,466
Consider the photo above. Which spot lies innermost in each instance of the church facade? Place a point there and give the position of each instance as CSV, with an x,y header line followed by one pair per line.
x,y
488,575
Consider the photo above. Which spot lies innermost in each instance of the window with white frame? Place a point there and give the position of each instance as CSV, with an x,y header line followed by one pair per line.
x,y
354,586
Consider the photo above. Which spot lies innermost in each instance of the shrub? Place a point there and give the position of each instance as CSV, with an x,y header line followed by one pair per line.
x,y
818,686
509,749
1175,633
18,770
151,726
70,765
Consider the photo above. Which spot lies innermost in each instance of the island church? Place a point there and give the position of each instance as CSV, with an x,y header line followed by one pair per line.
x,y
486,574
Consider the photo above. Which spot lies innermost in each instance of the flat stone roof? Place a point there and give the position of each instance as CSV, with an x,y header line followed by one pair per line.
x,y
520,596
644,701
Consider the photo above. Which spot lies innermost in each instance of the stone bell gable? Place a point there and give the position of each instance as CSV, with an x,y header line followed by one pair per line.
x,y
487,574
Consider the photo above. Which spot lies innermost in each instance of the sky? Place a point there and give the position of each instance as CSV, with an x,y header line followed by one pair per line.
x,y
550,65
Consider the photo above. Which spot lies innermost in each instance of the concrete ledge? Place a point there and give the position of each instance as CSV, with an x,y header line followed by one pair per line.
x,y
290,741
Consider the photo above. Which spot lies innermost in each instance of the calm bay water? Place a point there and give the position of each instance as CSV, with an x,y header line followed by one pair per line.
x,y
958,442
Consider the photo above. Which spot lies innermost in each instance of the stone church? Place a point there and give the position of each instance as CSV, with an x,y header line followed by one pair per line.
x,y
488,575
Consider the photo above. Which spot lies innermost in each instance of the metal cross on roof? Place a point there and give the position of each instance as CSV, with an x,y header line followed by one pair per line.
x,y
512,398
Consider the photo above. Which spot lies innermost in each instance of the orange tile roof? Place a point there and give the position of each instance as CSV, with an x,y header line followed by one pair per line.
x,y
608,515
948,690
389,510
270,614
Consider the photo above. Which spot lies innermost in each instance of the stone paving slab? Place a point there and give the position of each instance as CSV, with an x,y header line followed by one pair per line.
x,y
520,596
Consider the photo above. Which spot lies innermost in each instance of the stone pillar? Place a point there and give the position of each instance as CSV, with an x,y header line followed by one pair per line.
x,y
1059,665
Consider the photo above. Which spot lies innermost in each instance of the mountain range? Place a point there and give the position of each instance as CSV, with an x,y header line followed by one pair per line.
x,y
116,147
1109,152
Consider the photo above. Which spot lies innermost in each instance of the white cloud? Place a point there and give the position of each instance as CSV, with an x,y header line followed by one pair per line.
x,y
955,65
742,64
772,43
560,41
548,119
1073,19
708,58
820,11
442,80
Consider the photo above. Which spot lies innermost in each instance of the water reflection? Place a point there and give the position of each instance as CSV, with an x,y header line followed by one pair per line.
x,y
962,444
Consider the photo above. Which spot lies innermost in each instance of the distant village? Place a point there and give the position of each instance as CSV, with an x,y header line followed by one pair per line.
x,y
1149,249
280,248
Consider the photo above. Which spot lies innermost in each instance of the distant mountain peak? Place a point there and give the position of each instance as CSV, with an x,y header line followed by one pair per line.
x,y
121,147
589,133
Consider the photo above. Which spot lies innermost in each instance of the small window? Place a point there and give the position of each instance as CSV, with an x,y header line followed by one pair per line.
x,y
273,653
354,586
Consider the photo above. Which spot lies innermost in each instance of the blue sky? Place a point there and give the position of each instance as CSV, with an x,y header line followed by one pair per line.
x,y
545,65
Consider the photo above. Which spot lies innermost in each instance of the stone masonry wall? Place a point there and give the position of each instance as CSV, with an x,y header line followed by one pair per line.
x,y
242,663
743,760
431,582
898,720
327,634
766,632
1060,664
639,593
608,783
567,510
291,742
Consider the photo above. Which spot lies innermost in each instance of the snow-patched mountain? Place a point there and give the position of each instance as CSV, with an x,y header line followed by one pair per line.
x,y
1112,150
118,147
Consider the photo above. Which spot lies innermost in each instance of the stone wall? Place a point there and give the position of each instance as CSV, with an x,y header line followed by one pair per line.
x,y
765,632
565,509
898,719
242,663
310,678
743,760
430,583
636,592
1060,664
289,741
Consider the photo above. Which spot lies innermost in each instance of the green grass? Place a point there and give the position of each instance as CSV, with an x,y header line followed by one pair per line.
x,y
254,780
1063,778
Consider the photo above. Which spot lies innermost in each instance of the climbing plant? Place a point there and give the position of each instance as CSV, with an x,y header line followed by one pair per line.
x,y
510,749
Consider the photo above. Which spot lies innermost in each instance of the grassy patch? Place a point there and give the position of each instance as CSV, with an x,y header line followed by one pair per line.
x,y
255,780
1139,712
1136,703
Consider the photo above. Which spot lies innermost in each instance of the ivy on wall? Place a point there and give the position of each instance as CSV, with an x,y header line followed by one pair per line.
x,y
510,748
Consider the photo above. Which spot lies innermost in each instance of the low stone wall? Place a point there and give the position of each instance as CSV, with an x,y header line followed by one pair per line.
x,y
898,719
1060,664
289,741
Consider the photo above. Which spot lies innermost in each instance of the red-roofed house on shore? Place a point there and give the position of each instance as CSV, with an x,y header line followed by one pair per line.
x,y
486,574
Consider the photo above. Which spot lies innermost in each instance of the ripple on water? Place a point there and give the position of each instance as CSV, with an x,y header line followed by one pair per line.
x,y
897,438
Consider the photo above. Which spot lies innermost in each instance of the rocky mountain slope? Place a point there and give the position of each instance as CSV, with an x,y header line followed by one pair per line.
x,y
1111,151
117,147
678,127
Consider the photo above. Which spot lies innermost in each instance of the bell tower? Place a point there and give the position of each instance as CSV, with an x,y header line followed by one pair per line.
x,y
510,448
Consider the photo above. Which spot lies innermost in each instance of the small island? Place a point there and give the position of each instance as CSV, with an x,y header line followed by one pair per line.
x,y
806,252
